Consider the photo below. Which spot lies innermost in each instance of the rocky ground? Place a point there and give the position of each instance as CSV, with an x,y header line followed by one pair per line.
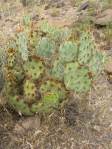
x,y
85,122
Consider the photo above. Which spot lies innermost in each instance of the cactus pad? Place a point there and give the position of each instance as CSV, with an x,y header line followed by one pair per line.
x,y
52,87
22,42
45,47
30,91
76,78
10,57
97,62
17,102
49,102
86,49
68,51
57,70
34,69
57,34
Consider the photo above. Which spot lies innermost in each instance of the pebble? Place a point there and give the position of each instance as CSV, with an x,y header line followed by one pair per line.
x,y
27,124
108,66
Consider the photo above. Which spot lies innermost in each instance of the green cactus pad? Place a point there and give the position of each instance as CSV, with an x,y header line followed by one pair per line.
x,y
97,62
49,102
22,42
65,34
30,91
76,78
11,88
26,20
34,69
58,70
18,72
45,47
86,48
57,34
17,102
52,87
68,51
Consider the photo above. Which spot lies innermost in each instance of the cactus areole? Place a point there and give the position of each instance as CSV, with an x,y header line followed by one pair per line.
x,y
43,66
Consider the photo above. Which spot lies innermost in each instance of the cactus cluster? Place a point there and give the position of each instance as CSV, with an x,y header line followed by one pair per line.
x,y
41,70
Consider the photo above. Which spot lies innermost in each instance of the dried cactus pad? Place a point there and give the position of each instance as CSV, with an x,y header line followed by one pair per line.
x,y
34,69
11,57
76,78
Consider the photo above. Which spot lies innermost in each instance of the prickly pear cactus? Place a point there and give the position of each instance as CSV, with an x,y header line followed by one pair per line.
x,y
48,103
46,64
96,63
11,58
68,51
86,48
52,87
77,78
22,42
18,103
45,48
34,69
55,33
30,91
57,70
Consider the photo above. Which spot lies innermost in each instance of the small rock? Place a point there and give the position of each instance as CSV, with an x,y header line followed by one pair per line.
x,y
104,18
83,6
108,66
27,124
35,17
